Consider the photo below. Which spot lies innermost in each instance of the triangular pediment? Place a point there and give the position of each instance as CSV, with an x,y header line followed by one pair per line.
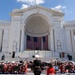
x,y
53,12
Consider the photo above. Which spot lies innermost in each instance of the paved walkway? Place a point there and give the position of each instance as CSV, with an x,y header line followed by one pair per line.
x,y
41,74
51,74
33,74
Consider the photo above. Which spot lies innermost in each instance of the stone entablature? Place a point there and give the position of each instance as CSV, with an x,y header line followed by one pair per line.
x,y
2,22
69,23
17,12
5,25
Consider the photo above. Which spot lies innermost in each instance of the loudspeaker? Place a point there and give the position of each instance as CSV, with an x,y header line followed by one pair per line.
x,y
13,54
69,57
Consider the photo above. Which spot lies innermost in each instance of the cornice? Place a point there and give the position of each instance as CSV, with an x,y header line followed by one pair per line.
x,y
69,23
4,25
18,12
3,22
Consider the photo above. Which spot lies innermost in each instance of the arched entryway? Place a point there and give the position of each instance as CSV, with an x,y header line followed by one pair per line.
x,y
37,43
37,30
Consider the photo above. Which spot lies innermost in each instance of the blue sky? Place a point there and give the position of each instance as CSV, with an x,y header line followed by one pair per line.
x,y
67,6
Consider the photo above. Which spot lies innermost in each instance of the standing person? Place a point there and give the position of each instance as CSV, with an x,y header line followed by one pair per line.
x,y
23,68
37,65
50,70
3,57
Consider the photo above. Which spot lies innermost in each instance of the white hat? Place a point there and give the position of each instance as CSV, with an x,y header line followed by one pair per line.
x,y
37,56
13,61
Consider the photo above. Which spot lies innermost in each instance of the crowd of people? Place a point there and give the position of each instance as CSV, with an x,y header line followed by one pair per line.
x,y
66,67
37,66
13,67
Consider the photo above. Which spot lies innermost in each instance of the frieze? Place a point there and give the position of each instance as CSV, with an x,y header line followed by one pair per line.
x,y
16,14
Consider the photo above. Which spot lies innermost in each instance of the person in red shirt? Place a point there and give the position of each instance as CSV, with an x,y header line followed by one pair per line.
x,y
50,70
62,68
24,69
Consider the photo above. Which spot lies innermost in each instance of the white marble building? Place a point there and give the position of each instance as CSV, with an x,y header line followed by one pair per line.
x,y
37,21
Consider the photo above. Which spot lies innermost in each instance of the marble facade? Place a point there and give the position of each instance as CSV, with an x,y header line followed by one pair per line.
x,y
13,33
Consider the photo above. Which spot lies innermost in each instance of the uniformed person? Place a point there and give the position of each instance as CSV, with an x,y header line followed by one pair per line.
x,y
37,65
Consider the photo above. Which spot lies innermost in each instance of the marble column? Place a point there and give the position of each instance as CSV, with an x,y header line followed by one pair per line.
x,y
72,40
25,44
41,43
1,40
68,41
52,40
49,45
22,40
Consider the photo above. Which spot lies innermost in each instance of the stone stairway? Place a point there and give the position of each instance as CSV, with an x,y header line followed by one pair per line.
x,y
27,55
8,57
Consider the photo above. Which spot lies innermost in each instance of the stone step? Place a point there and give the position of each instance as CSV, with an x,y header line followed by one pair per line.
x,y
27,55
43,54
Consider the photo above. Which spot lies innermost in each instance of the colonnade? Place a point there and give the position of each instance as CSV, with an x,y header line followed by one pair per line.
x,y
50,41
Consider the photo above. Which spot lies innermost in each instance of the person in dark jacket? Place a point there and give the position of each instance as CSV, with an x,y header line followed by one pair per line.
x,y
3,57
37,66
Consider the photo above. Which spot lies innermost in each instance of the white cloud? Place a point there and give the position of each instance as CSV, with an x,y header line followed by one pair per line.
x,y
27,3
63,8
24,6
59,7
32,2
